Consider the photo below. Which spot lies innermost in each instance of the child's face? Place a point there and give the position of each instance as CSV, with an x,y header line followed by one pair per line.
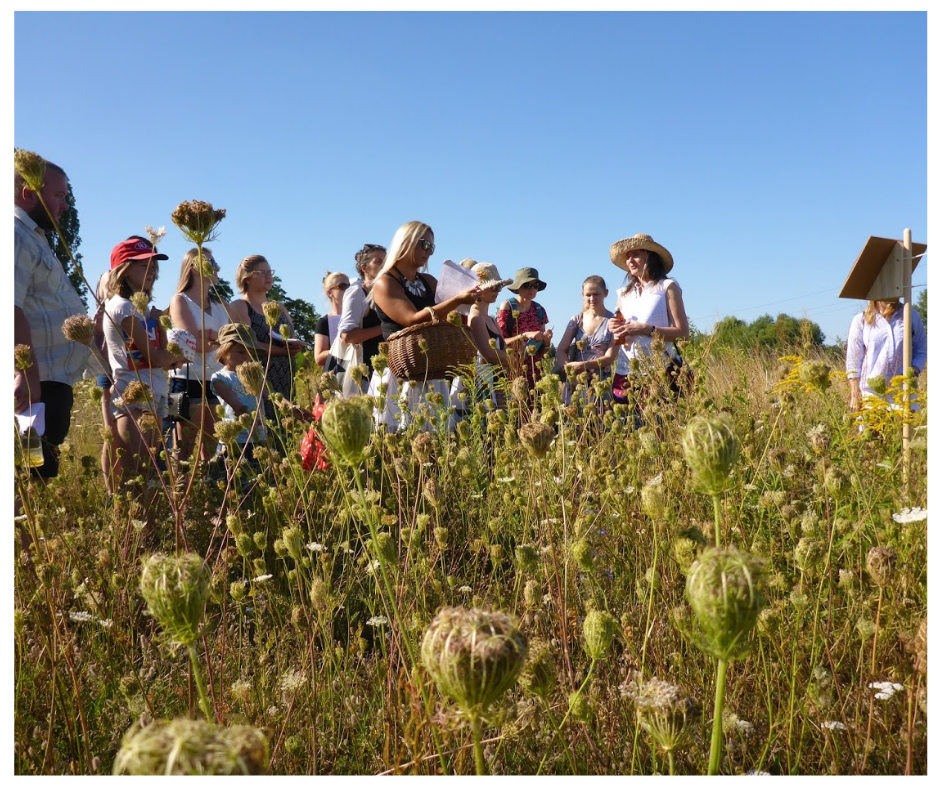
x,y
237,354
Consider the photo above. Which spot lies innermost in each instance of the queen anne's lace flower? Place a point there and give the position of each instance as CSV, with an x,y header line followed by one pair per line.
x,y
886,689
910,515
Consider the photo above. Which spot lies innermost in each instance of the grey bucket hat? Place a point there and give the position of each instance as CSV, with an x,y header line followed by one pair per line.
x,y
527,274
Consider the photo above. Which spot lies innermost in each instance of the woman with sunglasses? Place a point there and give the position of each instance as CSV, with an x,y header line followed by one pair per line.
x,y
358,322
523,322
255,278
197,308
404,296
335,286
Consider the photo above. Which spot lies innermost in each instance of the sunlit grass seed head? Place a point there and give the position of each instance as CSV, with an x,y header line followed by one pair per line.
x,y
79,328
31,167
197,220
141,302
536,439
882,565
711,449
192,747
176,589
251,375
724,588
347,426
474,655
227,431
599,630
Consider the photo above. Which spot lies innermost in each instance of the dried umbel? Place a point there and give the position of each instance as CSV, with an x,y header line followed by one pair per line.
x,y
815,374
421,447
882,565
31,167
667,715
272,312
141,302
22,356
653,498
711,449
176,589
136,393
251,375
725,590
538,676
536,438
192,747
347,426
432,492
920,647
520,389
599,630
197,220
79,328
810,556
383,548
473,655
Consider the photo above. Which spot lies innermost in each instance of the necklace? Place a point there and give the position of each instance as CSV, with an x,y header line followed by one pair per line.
x,y
416,288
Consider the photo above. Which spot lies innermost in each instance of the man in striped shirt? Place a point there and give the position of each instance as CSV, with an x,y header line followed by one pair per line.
x,y
43,298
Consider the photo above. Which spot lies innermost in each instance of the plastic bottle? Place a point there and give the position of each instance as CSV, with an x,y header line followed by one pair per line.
x,y
618,315
32,448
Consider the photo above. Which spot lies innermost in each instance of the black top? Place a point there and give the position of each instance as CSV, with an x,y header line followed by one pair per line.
x,y
420,300
323,326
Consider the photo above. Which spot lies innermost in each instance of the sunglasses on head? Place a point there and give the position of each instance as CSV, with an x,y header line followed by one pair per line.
x,y
426,245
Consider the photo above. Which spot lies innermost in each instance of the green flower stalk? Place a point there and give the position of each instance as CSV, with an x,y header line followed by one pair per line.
x,y
192,747
668,716
725,590
347,426
474,656
176,589
599,630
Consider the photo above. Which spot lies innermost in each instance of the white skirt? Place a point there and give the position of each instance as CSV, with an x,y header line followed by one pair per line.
x,y
410,403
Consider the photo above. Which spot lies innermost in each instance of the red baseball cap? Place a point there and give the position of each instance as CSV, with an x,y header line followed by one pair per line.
x,y
134,248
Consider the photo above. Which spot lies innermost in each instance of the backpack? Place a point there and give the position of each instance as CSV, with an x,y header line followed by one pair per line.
x,y
511,325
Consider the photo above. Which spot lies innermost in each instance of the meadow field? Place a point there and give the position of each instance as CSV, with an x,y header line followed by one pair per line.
x,y
604,590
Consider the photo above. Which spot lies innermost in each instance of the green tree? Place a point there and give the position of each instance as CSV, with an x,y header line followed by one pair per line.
x,y
223,289
768,333
69,225
301,312
921,306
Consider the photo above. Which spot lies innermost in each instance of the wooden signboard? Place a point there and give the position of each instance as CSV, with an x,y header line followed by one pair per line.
x,y
878,273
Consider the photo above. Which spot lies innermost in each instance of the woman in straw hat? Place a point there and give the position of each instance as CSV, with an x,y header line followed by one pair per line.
x,y
649,306
491,347
523,322
404,296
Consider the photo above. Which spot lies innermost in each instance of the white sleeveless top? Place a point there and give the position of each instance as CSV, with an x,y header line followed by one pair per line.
x,y
214,321
644,305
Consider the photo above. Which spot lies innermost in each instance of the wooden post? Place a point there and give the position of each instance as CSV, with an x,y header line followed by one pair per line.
x,y
906,269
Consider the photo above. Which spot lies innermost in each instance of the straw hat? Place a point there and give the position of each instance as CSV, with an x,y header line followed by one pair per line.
x,y
237,333
527,274
487,273
618,251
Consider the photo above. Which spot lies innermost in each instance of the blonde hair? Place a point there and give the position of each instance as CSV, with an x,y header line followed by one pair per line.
x,y
246,268
874,309
189,274
402,247
332,279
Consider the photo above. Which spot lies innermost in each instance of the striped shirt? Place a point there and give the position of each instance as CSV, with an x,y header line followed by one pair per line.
x,y
42,289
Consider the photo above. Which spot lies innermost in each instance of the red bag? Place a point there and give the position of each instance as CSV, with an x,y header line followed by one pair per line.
x,y
313,453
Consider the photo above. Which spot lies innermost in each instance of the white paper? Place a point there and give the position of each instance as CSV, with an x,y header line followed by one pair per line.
x,y
34,416
285,340
454,279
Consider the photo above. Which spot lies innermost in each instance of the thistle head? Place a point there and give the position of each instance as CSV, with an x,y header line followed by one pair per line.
x,y
473,655
536,438
176,589
711,449
251,375
347,425
31,167
79,328
197,220
882,565
599,630
192,747
724,587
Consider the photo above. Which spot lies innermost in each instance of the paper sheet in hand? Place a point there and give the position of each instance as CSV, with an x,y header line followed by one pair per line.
x,y
454,279
34,416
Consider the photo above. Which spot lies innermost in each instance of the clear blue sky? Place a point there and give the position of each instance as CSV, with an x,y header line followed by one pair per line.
x,y
762,149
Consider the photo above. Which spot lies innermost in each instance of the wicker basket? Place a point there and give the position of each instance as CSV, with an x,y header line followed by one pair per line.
x,y
449,346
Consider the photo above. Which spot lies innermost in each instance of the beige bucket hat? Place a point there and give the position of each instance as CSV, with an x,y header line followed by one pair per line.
x,y
487,273
618,250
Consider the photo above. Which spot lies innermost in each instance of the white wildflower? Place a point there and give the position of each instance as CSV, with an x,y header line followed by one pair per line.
x,y
107,623
549,521
910,515
315,547
81,616
834,725
506,479
155,236
631,489
743,725
292,681
377,621
262,578
886,689
465,590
